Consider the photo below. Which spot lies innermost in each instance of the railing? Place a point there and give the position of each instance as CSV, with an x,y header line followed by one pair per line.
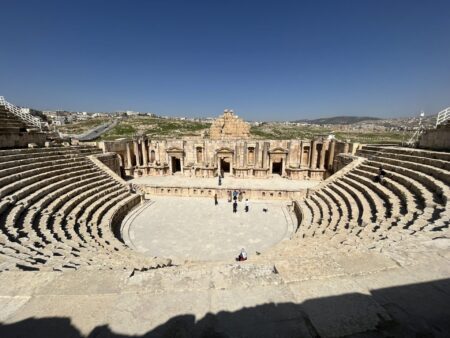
x,y
26,117
443,116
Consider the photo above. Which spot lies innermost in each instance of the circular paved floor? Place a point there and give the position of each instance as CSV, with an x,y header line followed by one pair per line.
x,y
196,229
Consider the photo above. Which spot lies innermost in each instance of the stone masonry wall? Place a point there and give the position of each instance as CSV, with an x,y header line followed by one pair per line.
x,y
229,126
112,161
437,139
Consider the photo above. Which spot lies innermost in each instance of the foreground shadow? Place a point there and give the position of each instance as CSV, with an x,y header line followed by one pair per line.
x,y
416,310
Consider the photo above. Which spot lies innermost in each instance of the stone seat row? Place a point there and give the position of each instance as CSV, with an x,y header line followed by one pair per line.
x,y
18,208
408,151
61,243
56,214
413,164
7,121
413,197
16,159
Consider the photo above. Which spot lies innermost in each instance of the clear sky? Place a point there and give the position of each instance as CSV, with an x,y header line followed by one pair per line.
x,y
267,60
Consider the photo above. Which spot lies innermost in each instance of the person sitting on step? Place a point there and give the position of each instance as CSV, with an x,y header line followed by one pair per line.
x,y
242,256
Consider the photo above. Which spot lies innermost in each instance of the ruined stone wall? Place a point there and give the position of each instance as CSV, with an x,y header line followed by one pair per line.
x,y
437,139
228,151
229,126
21,140
199,157
112,161
342,160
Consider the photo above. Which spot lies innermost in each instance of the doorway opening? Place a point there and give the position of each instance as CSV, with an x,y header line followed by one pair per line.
x,y
277,168
225,165
176,164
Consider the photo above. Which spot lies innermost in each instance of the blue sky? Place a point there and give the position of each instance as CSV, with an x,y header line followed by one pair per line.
x,y
267,60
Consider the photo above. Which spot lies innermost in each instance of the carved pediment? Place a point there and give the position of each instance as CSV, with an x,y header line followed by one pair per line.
x,y
224,150
174,150
278,150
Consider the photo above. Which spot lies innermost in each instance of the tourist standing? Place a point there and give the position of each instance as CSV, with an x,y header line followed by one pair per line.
x,y
247,205
234,206
241,196
229,196
215,200
220,180
235,195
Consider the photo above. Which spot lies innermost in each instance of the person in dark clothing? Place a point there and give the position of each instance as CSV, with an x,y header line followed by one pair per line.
x,y
247,205
220,180
235,195
234,206
216,202
381,173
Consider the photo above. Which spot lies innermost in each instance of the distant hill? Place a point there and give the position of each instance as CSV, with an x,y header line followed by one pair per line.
x,y
339,120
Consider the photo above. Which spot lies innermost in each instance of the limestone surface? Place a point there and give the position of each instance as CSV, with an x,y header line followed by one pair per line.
x,y
229,126
197,229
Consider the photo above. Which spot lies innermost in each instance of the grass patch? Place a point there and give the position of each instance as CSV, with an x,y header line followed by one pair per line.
x,y
155,127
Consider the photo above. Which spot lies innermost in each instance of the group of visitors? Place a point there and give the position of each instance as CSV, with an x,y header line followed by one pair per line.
x,y
234,197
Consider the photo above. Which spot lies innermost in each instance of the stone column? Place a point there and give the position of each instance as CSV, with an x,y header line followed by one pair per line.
x,y
346,147
313,162
288,156
331,154
231,166
157,155
182,163
255,163
204,153
170,164
136,153
144,153
322,157
245,154
266,156
218,166
128,155
300,161
283,166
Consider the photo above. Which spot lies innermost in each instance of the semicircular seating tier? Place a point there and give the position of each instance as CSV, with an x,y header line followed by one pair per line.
x,y
413,199
59,210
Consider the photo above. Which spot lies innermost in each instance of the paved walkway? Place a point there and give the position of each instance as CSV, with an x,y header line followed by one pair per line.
x,y
275,183
196,229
